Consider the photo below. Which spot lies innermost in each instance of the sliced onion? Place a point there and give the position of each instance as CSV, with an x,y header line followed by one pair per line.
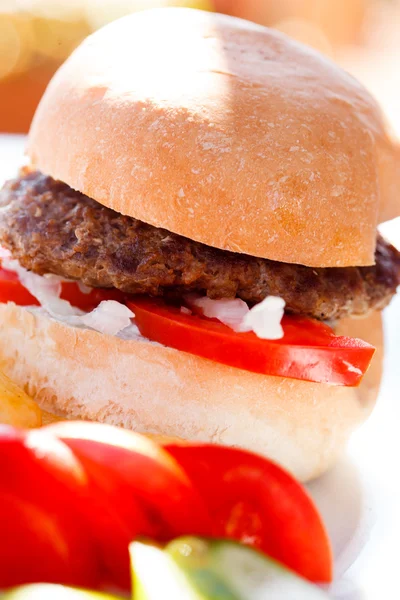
x,y
230,311
46,290
264,319
110,317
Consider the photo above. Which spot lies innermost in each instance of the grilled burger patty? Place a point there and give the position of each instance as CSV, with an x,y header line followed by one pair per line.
x,y
51,228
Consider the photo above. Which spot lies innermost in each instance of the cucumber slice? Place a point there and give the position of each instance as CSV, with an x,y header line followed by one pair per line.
x,y
201,569
156,576
48,591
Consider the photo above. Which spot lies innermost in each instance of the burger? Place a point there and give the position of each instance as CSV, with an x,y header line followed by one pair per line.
x,y
192,248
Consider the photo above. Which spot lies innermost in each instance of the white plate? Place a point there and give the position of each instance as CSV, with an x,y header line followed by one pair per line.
x,y
360,498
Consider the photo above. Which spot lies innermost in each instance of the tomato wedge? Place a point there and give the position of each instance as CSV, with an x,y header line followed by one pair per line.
x,y
43,495
309,349
37,546
154,477
256,502
142,488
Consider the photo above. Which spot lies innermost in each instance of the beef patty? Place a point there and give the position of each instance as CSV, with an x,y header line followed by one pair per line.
x,y
51,228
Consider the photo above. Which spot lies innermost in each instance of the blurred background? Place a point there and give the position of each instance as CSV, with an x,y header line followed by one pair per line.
x,y
36,36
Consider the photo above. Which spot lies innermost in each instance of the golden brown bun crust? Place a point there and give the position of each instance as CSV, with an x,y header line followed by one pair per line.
x,y
222,131
150,388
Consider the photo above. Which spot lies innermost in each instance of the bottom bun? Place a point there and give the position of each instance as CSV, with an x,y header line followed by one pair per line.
x,y
79,373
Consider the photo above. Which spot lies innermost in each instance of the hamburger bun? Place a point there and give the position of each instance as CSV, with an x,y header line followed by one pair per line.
x,y
222,131
235,136
79,373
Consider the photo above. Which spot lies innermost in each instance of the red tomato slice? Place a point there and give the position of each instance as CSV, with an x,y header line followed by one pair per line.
x,y
254,501
309,349
44,536
12,290
131,471
72,293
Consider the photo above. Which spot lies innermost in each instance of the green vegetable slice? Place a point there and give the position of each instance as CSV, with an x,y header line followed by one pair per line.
x,y
203,569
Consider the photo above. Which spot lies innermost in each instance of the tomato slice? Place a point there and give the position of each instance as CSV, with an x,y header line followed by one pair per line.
x,y
309,349
12,290
70,291
256,502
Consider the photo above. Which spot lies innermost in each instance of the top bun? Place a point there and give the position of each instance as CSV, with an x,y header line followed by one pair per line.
x,y
223,131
